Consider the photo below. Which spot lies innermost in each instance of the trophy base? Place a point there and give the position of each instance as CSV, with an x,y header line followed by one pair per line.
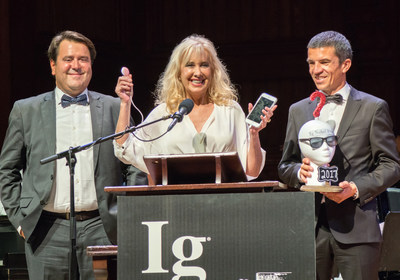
x,y
322,188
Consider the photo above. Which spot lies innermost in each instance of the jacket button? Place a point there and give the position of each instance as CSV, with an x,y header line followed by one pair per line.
x,y
42,202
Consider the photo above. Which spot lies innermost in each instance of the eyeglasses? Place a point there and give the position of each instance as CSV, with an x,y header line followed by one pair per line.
x,y
316,142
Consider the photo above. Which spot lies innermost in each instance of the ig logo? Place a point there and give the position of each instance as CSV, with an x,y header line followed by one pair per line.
x,y
155,253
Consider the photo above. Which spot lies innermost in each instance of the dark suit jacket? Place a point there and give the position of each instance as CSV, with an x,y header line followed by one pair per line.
x,y
31,136
366,154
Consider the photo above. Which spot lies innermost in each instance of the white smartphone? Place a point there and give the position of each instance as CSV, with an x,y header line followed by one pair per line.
x,y
265,100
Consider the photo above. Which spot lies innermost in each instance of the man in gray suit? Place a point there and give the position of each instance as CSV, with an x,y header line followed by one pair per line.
x,y
347,230
35,196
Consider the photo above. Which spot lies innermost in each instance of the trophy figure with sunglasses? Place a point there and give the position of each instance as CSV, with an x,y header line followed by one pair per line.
x,y
317,142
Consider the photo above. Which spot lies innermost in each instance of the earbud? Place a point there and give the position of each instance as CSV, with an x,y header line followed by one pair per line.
x,y
124,71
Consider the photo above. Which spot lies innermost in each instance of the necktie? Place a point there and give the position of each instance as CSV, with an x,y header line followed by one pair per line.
x,y
336,98
68,100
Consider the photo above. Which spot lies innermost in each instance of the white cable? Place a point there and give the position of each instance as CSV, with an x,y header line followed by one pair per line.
x,y
125,72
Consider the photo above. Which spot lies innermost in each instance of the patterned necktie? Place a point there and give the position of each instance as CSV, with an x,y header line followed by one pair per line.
x,y
68,100
336,98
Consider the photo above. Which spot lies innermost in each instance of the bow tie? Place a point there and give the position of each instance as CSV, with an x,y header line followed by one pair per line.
x,y
336,98
322,99
80,100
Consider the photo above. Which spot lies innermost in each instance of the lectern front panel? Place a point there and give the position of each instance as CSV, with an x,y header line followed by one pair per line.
x,y
216,236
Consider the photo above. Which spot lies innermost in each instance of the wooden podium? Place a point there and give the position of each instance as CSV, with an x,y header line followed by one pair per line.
x,y
214,231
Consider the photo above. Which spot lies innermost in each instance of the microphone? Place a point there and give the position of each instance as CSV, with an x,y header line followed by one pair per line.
x,y
185,108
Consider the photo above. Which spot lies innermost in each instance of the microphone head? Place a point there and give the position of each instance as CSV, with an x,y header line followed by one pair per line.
x,y
187,105
185,108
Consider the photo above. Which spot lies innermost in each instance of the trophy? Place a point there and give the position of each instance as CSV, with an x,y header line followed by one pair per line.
x,y
317,142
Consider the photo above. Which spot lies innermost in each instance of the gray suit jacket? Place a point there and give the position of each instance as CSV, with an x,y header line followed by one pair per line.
x,y
31,136
366,154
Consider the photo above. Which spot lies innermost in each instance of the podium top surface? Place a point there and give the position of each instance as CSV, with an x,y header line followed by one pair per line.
x,y
239,187
102,250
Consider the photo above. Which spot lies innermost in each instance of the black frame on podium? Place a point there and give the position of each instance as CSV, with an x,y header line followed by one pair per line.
x,y
195,168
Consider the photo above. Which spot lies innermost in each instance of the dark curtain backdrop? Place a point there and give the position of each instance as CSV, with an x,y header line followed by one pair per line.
x,y
263,44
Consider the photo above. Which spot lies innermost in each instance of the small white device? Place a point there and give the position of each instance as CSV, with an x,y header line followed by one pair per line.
x,y
125,72
265,100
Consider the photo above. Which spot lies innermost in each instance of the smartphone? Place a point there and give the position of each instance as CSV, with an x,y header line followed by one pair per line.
x,y
265,100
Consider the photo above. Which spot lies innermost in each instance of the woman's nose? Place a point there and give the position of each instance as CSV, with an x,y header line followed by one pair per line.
x,y
197,71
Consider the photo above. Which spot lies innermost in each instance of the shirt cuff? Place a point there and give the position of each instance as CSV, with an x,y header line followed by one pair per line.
x,y
120,148
356,195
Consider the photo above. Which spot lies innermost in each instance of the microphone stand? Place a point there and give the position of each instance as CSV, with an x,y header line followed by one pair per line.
x,y
71,162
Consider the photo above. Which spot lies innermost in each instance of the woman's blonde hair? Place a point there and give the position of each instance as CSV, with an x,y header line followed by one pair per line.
x,y
170,89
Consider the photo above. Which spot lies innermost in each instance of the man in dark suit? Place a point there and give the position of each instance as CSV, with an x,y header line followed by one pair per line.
x,y
35,196
347,230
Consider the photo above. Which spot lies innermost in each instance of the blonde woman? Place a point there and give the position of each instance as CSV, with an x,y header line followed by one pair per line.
x,y
216,123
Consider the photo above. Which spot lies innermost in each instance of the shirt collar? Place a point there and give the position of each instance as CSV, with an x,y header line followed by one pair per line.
x,y
344,91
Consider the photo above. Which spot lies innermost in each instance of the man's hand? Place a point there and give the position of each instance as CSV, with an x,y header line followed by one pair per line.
x,y
349,190
305,170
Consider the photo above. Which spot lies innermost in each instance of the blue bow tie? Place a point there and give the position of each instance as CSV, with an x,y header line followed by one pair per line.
x,y
68,100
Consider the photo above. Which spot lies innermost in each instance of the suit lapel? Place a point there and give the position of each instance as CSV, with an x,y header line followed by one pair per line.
x,y
352,106
311,108
48,111
96,111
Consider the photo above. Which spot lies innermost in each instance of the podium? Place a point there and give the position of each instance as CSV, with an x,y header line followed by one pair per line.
x,y
390,259
214,231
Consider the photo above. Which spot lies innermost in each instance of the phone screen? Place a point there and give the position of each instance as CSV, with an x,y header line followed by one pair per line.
x,y
257,110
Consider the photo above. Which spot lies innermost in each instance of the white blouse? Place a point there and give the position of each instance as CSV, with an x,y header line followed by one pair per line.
x,y
225,131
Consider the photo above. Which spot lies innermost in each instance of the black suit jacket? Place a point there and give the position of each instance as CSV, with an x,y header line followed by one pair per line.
x,y
366,154
31,136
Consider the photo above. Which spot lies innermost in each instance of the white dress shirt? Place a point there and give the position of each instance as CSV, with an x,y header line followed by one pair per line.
x,y
332,113
73,128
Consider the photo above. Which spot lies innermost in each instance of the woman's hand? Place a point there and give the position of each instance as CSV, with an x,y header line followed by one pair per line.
x,y
265,118
124,87
254,155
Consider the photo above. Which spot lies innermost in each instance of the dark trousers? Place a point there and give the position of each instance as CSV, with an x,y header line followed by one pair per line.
x,y
52,242
353,261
